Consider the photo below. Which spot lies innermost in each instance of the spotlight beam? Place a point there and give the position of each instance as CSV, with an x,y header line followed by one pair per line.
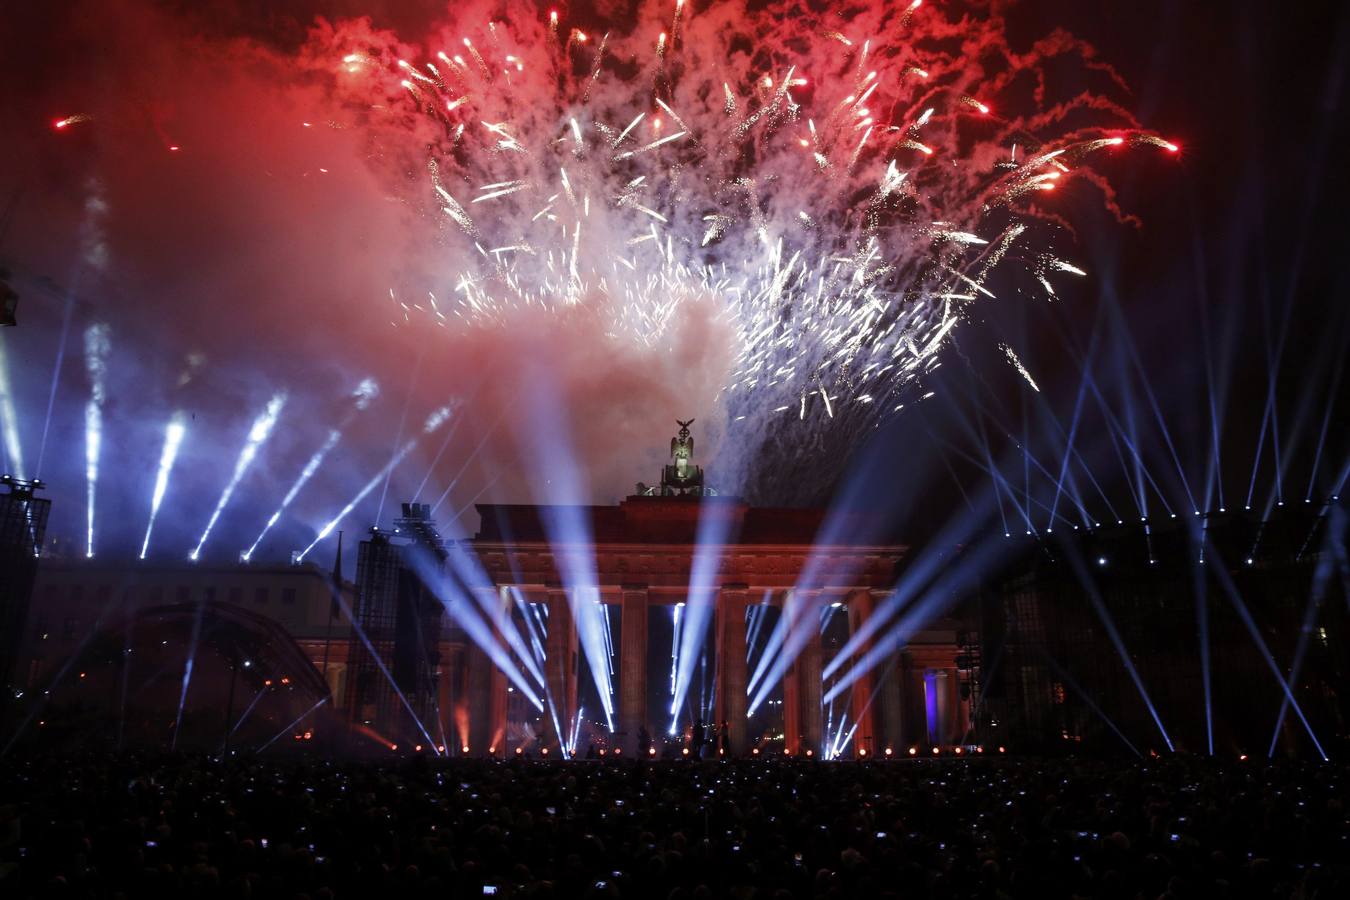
x,y
1099,606
96,347
550,453
1071,682
249,709
472,500
9,419
474,582
1202,627
1321,580
187,669
1230,589
1326,420
56,380
298,720
402,422
714,530
257,436
173,438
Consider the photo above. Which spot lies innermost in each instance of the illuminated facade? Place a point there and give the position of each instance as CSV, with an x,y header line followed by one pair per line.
x,y
644,552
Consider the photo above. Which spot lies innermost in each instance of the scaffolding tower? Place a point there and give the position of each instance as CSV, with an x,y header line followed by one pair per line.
x,y
23,523
392,682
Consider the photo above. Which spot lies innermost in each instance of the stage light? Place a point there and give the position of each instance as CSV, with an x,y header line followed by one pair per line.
x,y
913,751
958,751
1002,750
393,746
651,751
889,751
602,752
492,751
753,752
519,751
417,748
618,751
980,748
440,749
1101,560
862,751
1250,561
685,751
543,751
937,751
465,748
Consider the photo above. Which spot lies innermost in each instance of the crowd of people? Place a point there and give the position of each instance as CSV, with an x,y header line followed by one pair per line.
x,y
249,827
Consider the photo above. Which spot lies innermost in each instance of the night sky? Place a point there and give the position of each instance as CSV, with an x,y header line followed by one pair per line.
x,y
258,270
